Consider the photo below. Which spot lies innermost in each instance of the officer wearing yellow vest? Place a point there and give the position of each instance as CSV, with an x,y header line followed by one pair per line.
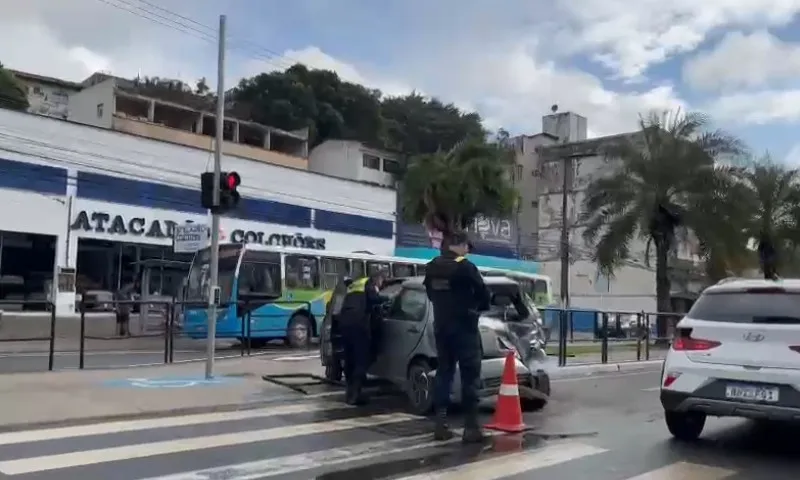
x,y
457,291
360,311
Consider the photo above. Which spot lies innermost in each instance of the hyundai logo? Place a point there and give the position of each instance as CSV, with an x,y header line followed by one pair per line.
x,y
753,337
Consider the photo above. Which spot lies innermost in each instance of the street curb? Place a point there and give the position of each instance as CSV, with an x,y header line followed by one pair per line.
x,y
572,371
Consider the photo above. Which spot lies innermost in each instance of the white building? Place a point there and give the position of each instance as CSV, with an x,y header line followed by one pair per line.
x,y
99,201
355,161
47,95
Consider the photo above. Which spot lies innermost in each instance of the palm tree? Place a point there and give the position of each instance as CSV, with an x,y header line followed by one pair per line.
x,y
448,189
771,193
667,182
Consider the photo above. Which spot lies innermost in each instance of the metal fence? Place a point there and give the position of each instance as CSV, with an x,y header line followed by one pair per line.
x,y
578,336
158,328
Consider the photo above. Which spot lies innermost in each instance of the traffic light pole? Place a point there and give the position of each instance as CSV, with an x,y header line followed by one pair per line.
x,y
213,294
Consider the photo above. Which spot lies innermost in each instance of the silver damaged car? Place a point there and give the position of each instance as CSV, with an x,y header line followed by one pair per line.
x,y
406,353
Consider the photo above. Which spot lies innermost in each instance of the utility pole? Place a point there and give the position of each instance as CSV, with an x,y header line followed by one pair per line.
x,y
565,187
213,294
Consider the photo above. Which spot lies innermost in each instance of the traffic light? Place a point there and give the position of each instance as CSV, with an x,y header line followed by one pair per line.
x,y
228,193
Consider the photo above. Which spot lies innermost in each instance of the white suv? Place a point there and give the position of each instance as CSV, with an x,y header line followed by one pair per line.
x,y
736,354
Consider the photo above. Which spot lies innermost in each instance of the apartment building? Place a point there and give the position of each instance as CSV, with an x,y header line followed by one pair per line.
x,y
354,160
182,118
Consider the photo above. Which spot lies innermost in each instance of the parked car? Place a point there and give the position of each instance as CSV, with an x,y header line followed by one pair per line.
x,y
407,353
735,354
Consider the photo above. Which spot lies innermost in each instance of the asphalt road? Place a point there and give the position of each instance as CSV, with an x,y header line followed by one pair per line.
x,y
605,428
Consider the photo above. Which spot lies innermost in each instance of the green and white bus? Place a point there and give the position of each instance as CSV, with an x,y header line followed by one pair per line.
x,y
285,291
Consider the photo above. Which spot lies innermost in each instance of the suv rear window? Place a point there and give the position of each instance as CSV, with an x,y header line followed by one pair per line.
x,y
770,306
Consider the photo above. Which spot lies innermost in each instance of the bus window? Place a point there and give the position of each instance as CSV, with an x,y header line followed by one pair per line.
x,y
333,269
357,269
260,280
421,270
302,272
402,270
260,274
373,267
540,289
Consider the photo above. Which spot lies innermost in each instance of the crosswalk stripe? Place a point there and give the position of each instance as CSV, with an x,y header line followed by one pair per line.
x,y
502,466
686,470
127,452
272,467
152,423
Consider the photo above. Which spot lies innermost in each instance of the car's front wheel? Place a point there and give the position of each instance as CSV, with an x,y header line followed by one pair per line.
x,y
419,387
686,426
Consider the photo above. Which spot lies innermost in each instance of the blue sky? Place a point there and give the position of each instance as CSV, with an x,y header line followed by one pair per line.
x,y
609,60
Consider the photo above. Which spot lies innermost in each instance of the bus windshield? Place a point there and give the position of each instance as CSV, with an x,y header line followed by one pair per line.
x,y
199,275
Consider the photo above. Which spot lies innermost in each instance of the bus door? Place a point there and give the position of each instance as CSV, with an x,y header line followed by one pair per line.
x,y
259,284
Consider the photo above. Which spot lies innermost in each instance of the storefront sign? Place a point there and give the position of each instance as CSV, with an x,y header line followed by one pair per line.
x,y
190,238
298,240
103,222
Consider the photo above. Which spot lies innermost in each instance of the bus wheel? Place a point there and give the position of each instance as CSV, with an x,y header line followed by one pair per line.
x,y
299,332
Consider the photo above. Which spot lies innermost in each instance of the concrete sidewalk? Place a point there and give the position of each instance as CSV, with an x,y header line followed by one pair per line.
x,y
66,397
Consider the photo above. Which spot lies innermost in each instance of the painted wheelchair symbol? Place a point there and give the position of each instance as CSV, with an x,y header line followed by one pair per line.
x,y
170,383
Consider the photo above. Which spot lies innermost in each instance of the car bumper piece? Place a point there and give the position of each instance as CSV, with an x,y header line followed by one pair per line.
x,y
685,402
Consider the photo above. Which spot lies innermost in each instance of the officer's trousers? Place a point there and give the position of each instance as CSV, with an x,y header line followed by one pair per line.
x,y
464,349
356,343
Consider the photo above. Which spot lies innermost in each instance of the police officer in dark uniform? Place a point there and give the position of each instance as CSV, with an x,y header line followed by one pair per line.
x,y
457,292
360,311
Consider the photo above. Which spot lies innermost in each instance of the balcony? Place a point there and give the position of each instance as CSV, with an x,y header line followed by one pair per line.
x,y
175,123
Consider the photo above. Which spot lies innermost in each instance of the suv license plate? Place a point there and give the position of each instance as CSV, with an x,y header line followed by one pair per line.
x,y
746,392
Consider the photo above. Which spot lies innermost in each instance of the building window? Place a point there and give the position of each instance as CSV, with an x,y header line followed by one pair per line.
x,y
99,110
371,161
38,91
518,175
391,166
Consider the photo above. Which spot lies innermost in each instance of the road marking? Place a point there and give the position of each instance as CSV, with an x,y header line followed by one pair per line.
x,y
295,358
312,460
143,450
503,466
652,389
153,423
686,470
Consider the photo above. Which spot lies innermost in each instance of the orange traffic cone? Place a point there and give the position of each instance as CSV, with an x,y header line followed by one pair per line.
x,y
508,411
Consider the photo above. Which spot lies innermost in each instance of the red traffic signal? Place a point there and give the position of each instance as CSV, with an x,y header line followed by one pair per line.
x,y
232,180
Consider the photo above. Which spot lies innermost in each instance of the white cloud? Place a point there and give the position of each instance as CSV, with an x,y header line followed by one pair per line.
x,y
757,108
629,36
742,61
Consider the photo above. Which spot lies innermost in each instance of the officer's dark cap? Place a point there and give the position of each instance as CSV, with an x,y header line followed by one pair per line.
x,y
459,238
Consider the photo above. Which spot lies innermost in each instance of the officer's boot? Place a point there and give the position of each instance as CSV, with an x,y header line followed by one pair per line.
x,y
472,429
441,431
357,397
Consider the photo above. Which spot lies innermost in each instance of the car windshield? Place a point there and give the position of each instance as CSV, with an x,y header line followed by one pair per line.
x,y
750,306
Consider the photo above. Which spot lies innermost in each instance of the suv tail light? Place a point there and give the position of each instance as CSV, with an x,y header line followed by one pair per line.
x,y
684,342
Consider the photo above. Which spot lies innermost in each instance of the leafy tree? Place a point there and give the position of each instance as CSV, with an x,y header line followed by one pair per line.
x,y
201,87
446,190
770,193
668,182
315,99
12,92
416,124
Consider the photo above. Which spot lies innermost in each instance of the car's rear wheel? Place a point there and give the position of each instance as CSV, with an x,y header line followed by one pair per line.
x,y
686,426
419,387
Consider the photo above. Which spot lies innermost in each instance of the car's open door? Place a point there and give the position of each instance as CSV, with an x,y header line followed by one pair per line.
x,y
401,332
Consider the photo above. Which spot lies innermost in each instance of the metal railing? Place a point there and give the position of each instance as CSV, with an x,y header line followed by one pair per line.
x,y
166,318
581,336
35,321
